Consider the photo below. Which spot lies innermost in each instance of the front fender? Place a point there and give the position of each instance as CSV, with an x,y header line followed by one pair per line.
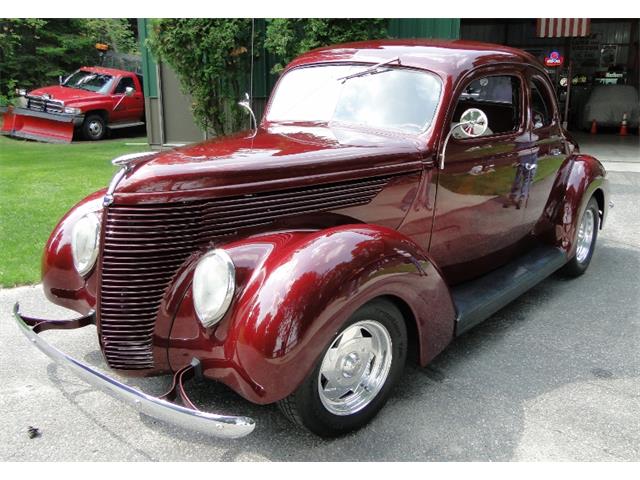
x,y
300,288
61,282
579,178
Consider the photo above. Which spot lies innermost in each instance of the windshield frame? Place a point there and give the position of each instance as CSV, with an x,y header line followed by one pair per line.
x,y
358,126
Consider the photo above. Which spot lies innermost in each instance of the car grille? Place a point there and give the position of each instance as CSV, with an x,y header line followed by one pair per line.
x,y
41,104
144,246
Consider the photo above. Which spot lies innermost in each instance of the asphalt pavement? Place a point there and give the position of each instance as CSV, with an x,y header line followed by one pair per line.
x,y
553,376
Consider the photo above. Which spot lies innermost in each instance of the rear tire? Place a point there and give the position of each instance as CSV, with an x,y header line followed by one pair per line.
x,y
354,375
94,127
586,236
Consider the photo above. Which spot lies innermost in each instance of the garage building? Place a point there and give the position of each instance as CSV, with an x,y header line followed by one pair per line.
x,y
580,56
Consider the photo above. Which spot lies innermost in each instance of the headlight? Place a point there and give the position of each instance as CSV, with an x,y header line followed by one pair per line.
x,y
214,282
72,110
85,237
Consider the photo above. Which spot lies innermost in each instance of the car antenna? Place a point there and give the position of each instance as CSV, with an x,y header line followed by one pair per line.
x,y
248,97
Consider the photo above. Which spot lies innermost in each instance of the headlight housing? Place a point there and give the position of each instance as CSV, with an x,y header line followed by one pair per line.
x,y
214,282
72,110
85,239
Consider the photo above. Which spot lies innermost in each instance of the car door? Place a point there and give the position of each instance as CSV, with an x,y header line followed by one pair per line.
x,y
478,221
127,108
549,148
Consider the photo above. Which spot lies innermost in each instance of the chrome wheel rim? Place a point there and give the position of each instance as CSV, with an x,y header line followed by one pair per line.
x,y
585,236
95,128
355,367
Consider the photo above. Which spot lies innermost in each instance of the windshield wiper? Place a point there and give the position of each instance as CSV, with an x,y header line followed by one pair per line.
x,y
371,70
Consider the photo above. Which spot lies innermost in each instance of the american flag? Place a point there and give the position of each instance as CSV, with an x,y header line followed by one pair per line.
x,y
563,27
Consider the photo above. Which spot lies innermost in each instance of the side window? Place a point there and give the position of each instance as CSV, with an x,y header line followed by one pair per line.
x,y
541,106
499,97
124,83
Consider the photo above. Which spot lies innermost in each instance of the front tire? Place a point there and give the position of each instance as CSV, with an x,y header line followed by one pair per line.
x,y
586,237
355,374
94,127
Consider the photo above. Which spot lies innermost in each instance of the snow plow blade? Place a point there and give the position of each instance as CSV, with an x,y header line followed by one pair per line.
x,y
40,126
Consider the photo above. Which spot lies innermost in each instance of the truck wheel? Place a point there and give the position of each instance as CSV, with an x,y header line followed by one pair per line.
x,y
355,374
586,237
94,127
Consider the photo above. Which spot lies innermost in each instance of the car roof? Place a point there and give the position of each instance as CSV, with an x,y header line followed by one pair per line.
x,y
447,57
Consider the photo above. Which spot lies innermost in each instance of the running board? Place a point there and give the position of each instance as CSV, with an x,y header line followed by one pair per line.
x,y
478,299
114,126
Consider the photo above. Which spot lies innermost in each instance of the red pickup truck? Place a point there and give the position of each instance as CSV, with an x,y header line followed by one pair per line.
x,y
91,100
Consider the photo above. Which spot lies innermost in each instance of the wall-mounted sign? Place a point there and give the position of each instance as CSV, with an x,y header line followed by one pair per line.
x,y
554,60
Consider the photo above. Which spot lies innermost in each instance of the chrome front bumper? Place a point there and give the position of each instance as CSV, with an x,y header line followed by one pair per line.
x,y
221,426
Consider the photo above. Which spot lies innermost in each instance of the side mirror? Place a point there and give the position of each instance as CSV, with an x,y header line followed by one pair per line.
x,y
129,91
246,101
473,123
246,104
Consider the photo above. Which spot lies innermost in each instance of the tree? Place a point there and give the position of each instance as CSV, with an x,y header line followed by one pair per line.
x,y
118,33
289,37
34,52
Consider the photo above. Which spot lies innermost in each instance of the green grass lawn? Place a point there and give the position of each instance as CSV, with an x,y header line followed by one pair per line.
x,y
39,183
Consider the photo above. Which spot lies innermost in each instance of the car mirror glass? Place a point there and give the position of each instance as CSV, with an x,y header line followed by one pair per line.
x,y
473,123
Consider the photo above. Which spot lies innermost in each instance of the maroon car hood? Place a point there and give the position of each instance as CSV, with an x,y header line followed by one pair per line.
x,y
67,94
280,157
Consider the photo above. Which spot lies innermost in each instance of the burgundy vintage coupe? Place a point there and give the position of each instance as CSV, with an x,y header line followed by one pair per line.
x,y
395,194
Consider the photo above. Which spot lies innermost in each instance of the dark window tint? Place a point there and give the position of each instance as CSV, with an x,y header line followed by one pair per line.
x,y
498,97
124,83
541,111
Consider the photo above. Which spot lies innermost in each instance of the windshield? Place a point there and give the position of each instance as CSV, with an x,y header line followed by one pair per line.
x,y
388,98
94,82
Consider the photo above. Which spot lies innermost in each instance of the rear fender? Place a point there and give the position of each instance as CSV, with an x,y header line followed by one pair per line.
x,y
579,178
295,290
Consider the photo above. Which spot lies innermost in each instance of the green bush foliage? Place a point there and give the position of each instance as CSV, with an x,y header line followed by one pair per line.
x,y
212,57
212,60
289,37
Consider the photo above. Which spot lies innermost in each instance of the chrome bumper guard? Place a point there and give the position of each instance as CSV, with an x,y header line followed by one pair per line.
x,y
211,424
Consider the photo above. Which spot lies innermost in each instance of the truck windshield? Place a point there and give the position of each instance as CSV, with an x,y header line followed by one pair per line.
x,y
393,98
94,82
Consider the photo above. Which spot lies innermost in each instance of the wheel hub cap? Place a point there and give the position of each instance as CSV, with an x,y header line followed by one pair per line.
x,y
585,236
350,364
95,128
355,367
